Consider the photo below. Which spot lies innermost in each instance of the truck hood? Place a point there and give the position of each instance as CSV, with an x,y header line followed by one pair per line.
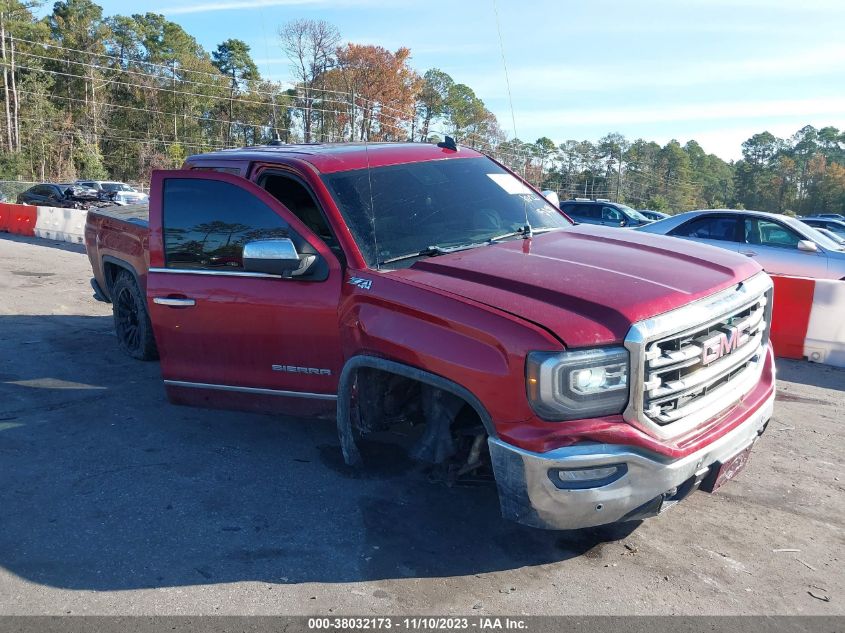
x,y
587,284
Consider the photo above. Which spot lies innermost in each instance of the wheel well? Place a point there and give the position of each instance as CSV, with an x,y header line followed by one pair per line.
x,y
376,394
111,269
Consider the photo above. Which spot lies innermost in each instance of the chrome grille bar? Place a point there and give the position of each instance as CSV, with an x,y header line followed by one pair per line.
x,y
690,364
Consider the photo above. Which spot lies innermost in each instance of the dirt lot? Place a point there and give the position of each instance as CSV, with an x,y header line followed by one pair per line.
x,y
115,502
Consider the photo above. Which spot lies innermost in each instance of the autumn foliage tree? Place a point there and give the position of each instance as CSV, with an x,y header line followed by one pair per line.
x,y
382,87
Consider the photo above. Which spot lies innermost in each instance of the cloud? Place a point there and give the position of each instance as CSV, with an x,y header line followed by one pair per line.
x,y
673,112
233,5
556,81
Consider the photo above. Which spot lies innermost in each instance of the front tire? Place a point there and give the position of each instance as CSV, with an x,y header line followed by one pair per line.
x,y
131,320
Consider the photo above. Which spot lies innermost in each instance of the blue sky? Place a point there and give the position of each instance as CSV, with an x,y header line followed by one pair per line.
x,y
714,70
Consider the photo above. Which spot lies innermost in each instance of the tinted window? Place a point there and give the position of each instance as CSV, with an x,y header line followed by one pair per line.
x,y
609,214
300,202
708,228
767,233
206,223
585,211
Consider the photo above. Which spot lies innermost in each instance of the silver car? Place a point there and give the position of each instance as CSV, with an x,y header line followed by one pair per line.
x,y
119,192
782,245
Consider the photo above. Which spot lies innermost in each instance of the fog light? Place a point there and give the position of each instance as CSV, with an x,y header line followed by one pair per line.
x,y
581,478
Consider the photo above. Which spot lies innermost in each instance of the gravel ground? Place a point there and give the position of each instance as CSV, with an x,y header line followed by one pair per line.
x,y
116,502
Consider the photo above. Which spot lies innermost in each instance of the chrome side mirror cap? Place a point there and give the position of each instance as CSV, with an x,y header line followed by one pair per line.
x,y
552,197
276,257
808,246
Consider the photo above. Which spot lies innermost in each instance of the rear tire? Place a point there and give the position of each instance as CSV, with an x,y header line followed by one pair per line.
x,y
131,320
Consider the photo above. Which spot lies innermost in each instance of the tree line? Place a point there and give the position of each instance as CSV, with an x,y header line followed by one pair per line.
x,y
96,96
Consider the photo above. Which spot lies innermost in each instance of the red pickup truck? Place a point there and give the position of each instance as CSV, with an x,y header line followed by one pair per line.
x,y
599,375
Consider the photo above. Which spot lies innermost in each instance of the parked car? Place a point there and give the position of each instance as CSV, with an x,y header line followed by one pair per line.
x,y
836,237
830,216
781,244
832,225
58,195
117,192
594,373
653,215
603,212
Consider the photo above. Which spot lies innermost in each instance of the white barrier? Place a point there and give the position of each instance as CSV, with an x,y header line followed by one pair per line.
x,y
66,225
825,338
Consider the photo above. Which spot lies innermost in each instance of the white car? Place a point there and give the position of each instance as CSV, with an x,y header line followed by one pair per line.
x,y
121,193
782,245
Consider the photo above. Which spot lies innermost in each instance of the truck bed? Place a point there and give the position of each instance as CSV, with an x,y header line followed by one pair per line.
x,y
138,214
117,238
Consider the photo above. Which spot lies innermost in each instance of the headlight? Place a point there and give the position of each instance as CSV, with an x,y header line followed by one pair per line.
x,y
578,384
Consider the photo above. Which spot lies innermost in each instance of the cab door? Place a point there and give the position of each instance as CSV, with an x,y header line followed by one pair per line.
x,y
226,333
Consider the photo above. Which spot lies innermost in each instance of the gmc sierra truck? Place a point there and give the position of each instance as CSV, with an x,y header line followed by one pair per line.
x,y
427,291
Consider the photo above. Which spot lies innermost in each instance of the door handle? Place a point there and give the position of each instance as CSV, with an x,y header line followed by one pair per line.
x,y
175,302
748,253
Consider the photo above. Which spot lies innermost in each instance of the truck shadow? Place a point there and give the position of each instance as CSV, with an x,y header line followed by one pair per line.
x,y
106,486
55,244
812,374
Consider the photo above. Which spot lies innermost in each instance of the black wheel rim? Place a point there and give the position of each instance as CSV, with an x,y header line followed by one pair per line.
x,y
127,319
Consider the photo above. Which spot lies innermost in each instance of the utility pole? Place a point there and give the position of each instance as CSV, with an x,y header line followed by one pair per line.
x,y
619,175
6,82
352,116
173,68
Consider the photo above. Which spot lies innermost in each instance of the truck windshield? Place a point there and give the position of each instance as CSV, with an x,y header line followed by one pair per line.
x,y
440,204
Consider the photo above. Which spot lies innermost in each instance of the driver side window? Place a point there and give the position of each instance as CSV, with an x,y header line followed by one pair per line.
x,y
207,222
768,233
611,215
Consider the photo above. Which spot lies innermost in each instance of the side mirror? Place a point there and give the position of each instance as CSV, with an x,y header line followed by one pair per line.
x,y
276,257
808,246
623,222
552,197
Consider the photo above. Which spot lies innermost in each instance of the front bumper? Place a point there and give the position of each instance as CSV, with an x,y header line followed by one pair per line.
x,y
651,483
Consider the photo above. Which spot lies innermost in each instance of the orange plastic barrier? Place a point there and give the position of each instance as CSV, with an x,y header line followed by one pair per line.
x,y
18,218
793,303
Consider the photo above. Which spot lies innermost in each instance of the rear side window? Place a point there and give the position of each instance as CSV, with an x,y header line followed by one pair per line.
x,y
584,211
207,222
708,228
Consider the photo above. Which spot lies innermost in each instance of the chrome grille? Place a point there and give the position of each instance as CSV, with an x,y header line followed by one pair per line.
x,y
694,362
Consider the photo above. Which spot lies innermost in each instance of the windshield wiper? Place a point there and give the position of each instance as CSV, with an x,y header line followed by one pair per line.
x,y
430,251
434,251
522,232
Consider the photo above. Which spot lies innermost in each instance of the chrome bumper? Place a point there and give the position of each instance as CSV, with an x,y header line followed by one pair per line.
x,y
650,483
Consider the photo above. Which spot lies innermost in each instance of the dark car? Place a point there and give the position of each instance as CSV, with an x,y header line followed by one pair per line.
x,y
830,216
603,212
57,195
824,222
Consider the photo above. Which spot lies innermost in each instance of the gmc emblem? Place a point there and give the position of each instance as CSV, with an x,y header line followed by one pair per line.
x,y
722,343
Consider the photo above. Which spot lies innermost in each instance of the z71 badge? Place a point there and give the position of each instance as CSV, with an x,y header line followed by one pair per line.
x,y
363,284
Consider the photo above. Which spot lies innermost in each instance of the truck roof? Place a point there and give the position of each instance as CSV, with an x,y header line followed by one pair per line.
x,y
333,157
